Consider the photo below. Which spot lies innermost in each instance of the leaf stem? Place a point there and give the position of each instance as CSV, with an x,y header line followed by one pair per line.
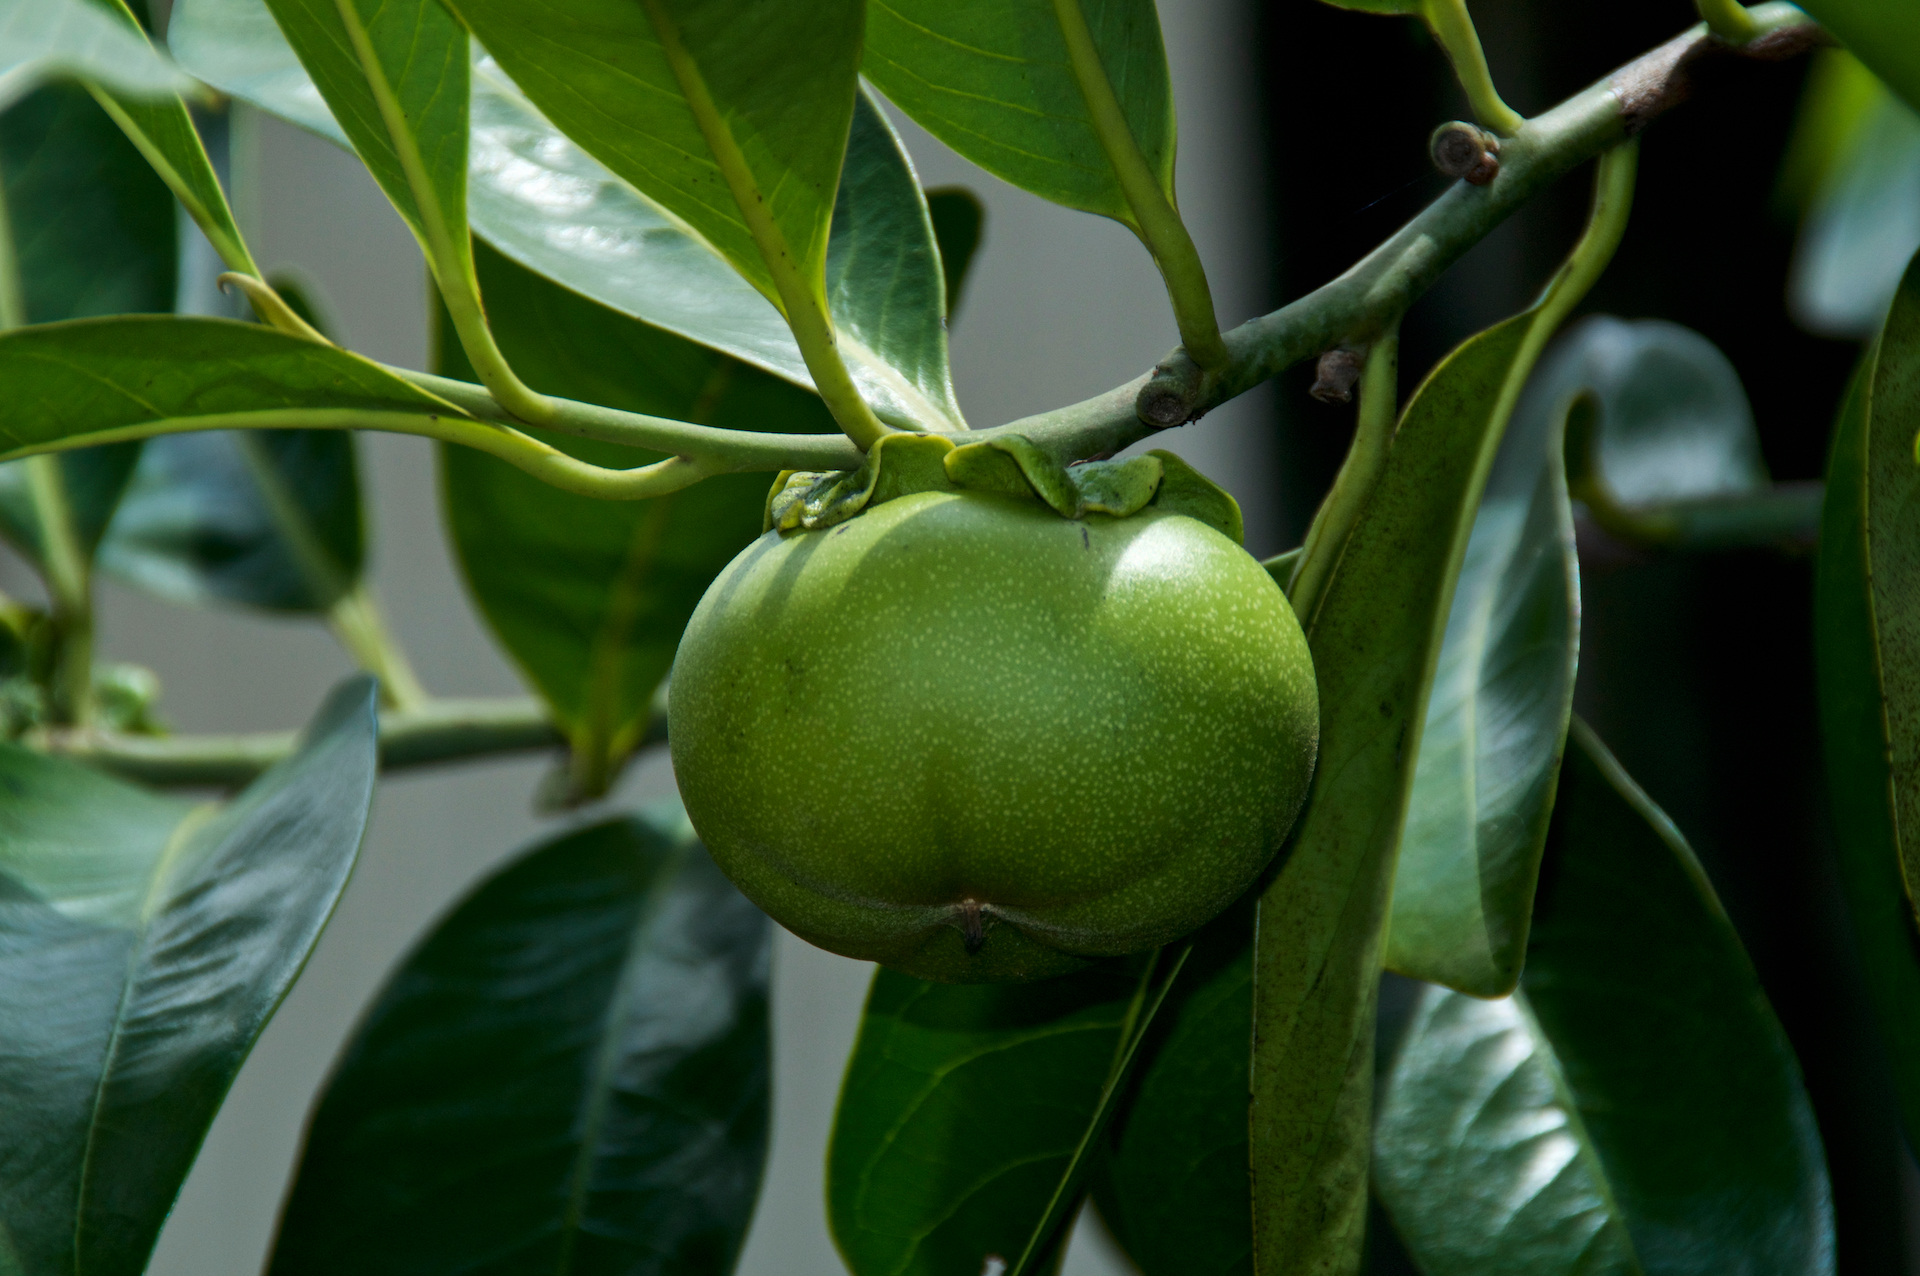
x,y
356,620
801,297
1155,219
1366,459
449,257
1452,26
1728,19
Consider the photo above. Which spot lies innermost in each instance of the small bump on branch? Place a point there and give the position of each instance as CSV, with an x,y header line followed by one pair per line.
x,y
1466,152
1337,373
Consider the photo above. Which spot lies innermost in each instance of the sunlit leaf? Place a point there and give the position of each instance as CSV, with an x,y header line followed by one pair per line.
x,y
994,81
144,942
1867,639
43,40
1636,1108
589,597
569,1075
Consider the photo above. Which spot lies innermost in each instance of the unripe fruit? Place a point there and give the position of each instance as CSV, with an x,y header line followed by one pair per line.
x,y
973,740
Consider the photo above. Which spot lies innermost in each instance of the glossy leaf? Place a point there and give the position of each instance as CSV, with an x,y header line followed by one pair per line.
x,y
92,377
1637,1108
589,597
1496,720
994,81
413,56
1862,220
570,1074
93,234
959,219
43,40
962,1107
1884,36
1867,640
144,943
1173,1185
264,518
700,107
553,208
1375,636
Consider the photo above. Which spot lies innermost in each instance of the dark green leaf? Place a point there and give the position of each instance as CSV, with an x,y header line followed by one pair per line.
x,y
993,81
1374,635
144,942
1496,721
589,597
93,234
570,1074
42,40
1886,36
553,208
765,121
412,55
94,377
267,519
961,1109
1173,1186
1637,1107
958,219
1867,639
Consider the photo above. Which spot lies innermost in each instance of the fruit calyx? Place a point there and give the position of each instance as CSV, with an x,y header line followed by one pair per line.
x,y
1010,465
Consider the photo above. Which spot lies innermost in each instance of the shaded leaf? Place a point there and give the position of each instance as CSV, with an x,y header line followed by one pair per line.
x,y
958,221
144,942
962,1107
546,203
1636,1108
589,597
43,40
994,82
1884,36
1867,642
570,1074
1496,719
92,377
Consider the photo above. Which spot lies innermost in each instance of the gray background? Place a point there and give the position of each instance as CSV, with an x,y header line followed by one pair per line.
x,y
1060,306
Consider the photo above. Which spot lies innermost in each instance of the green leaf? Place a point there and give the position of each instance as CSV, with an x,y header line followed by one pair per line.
x,y
1885,36
958,220
552,207
1173,1185
1867,642
144,943
993,80
396,77
1637,1108
731,115
267,519
589,597
1496,719
1375,635
107,379
570,1074
1414,8
43,40
962,1107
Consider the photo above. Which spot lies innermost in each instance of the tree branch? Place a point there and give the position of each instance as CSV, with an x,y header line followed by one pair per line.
x,y
1361,303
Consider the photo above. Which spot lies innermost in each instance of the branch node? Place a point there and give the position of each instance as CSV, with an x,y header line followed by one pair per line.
x,y
1337,373
1466,152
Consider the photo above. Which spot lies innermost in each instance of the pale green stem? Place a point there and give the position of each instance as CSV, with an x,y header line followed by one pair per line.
x,y
449,257
1729,20
1155,218
1340,513
800,296
357,622
1452,26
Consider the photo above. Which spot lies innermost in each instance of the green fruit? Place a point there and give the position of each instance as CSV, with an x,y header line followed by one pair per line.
x,y
976,741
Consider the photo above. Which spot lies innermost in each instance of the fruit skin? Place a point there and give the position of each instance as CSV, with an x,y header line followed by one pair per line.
x,y
1098,731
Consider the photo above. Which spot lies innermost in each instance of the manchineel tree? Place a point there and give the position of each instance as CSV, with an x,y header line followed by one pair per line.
x,y
1132,822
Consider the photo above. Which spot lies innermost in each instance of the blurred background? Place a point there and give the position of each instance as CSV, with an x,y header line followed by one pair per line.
x,y
1303,143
